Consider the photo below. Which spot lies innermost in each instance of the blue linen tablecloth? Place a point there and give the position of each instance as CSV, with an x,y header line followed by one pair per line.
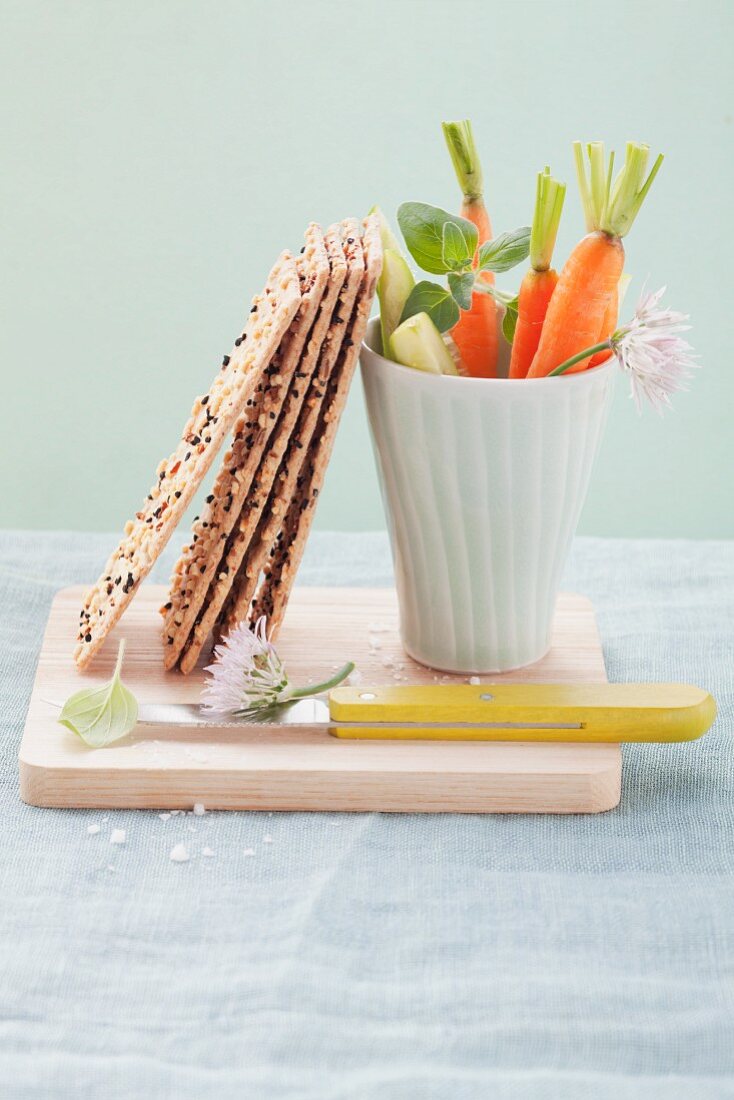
x,y
379,956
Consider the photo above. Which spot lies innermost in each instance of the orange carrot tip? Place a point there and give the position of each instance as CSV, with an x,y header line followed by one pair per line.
x,y
549,196
611,205
463,151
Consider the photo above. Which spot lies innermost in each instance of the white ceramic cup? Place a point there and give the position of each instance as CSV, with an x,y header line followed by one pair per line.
x,y
483,481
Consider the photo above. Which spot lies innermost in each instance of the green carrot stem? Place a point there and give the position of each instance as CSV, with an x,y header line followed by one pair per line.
x,y
629,191
460,141
327,685
612,206
549,196
586,353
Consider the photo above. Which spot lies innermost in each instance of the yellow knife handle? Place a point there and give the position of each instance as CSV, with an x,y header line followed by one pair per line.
x,y
524,712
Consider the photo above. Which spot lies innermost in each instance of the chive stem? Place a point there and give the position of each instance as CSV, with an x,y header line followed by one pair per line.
x,y
327,685
586,353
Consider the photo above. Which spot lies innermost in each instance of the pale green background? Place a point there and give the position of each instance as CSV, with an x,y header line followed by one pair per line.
x,y
158,155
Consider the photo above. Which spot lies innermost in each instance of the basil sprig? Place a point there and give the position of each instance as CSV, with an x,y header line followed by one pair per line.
x,y
103,714
506,251
438,242
445,244
436,301
509,321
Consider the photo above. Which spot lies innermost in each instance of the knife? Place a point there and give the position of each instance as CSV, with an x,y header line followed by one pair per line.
x,y
487,712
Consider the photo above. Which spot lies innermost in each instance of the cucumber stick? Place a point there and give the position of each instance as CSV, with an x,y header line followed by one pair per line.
x,y
395,282
387,237
394,286
417,343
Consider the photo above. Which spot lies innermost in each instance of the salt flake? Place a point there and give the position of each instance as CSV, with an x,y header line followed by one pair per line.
x,y
117,836
92,829
179,854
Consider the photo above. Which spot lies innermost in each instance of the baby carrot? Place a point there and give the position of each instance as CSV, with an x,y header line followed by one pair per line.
x,y
540,281
590,276
475,333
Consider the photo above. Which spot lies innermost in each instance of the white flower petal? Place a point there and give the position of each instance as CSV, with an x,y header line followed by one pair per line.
x,y
247,673
658,360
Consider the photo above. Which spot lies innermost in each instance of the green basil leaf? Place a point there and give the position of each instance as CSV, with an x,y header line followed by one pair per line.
x,y
103,714
505,251
509,321
422,227
434,300
461,288
458,246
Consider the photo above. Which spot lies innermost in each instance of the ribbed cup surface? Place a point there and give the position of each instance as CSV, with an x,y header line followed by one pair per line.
x,y
483,482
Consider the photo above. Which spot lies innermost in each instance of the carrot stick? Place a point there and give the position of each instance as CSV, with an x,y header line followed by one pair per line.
x,y
610,321
540,281
607,328
589,278
475,333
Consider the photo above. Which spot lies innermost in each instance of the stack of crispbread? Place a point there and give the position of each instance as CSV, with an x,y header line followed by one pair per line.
x,y
281,393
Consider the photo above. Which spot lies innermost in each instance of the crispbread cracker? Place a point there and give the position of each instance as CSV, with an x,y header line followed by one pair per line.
x,y
195,568
263,508
211,420
290,477
275,589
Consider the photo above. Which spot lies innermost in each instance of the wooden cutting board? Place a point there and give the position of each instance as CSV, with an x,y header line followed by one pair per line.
x,y
172,768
